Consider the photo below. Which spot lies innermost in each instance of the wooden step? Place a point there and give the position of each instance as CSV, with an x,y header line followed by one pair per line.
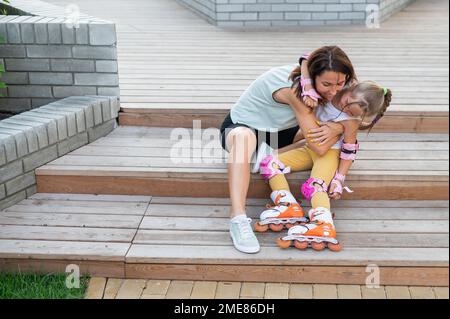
x,y
392,122
147,161
187,239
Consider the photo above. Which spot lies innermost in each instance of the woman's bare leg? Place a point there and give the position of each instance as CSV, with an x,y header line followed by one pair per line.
x,y
241,143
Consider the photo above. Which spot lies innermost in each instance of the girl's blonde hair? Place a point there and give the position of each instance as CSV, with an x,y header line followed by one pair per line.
x,y
373,99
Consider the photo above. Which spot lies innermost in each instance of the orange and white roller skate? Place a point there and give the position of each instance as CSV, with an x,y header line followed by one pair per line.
x,y
285,213
319,233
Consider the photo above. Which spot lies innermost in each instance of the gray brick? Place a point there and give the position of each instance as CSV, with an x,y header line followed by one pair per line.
x,y
109,91
13,51
271,16
27,32
102,34
41,31
257,7
96,106
298,16
352,15
106,66
27,64
32,139
67,34
49,51
54,33
79,115
70,117
243,16
96,79
65,91
311,7
12,200
2,154
72,143
10,171
9,143
230,8
339,7
30,91
38,102
51,78
284,7
20,139
325,16
87,108
39,129
50,124
3,33
94,53
13,30
71,65
105,106
15,78
31,190
20,183
61,122
2,191
40,158
101,130
82,34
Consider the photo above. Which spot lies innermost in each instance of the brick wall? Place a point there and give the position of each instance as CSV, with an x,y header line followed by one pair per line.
x,y
47,58
289,13
34,138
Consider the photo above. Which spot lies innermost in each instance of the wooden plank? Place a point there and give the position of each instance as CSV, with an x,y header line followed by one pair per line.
x,y
105,269
64,250
66,233
228,290
69,220
204,290
131,289
383,189
373,293
90,197
410,257
222,238
69,209
341,213
222,224
66,203
96,288
441,292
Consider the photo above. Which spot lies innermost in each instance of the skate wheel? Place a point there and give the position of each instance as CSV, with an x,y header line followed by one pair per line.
x,y
284,244
334,247
261,228
318,246
302,245
276,228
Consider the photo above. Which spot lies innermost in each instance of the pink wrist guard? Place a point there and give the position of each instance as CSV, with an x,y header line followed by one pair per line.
x,y
271,166
338,180
348,151
309,189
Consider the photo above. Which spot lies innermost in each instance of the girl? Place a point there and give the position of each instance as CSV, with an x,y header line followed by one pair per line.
x,y
350,107
272,103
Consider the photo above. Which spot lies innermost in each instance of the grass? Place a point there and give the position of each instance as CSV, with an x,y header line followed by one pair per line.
x,y
34,286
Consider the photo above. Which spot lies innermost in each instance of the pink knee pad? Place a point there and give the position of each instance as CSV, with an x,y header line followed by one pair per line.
x,y
271,166
308,188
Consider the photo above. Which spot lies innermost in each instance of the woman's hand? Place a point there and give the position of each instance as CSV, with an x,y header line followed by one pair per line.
x,y
326,132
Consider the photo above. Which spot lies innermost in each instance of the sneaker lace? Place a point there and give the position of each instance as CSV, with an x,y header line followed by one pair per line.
x,y
244,228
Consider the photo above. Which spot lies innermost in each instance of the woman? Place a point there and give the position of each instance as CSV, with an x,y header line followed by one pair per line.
x,y
268,111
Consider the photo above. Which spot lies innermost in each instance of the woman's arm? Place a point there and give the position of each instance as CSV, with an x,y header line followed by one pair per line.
x,y
305,117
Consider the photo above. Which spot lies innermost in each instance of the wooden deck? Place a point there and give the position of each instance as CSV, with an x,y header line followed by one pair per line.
x,y
187,239
144,161
175,67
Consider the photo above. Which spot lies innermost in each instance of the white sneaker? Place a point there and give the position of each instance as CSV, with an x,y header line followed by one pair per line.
x,y
257,158
242,235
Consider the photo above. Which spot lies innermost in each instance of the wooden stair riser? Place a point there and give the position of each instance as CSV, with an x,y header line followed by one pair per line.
x,y
395,123
195,187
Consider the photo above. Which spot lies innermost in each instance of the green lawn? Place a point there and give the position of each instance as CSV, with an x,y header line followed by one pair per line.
x,y
32,286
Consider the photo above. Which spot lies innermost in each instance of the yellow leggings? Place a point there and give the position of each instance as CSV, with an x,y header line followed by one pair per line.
x,y
302,159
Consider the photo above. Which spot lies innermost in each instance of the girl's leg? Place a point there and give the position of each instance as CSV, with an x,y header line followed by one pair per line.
x,y
241,144
324,168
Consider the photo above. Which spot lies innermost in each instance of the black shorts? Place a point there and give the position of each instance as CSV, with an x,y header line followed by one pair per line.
x,y
285,137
